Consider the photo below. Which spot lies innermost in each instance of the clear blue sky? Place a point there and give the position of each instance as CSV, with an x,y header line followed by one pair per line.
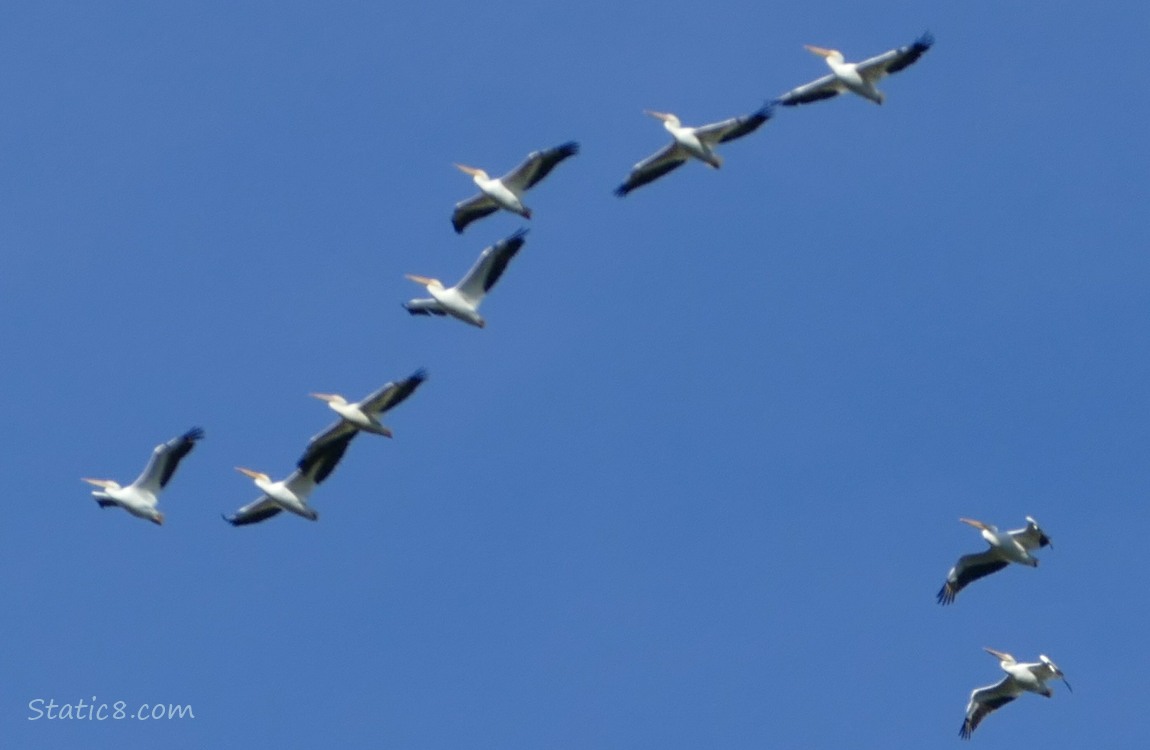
x,y
696,483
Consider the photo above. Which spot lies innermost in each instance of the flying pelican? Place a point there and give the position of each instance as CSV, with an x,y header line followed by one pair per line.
x,y
140,497
507,191
291,494
858,78
462,300
1005,548
362,415
1019,679
697,142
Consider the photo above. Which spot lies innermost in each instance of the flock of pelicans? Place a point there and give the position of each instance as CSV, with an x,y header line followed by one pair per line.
x,y
324,451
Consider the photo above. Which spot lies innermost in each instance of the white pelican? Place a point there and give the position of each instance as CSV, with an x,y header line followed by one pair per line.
x,y
362,415
690,142
507,191
462,300
140,497
1019,679
291,494
858,78
1005,548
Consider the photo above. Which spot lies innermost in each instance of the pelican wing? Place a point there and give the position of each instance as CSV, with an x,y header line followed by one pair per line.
x,y
968,569
335,432
475,207
671,156
816,90
736,127
254,512
894,60
536,166
165,458
490,266
424,306
392,394
986,700
1032,537
318,462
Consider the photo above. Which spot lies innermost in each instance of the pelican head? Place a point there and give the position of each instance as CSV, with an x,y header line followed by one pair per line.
x,y
256,475
107,484
331,398
830,54
1000,655
668,118
475,172
425,280
1055,670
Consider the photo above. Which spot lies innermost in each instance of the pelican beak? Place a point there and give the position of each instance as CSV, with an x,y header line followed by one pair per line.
x,y
469,170
329,397
250,473
972,522
97,482
820,51
421,279
385,431
1002,656
659,115
159,519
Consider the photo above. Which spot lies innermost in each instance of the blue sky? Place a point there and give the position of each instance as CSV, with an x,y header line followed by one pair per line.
x,y
696,483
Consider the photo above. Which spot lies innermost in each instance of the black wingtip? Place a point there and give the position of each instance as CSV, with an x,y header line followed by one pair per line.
x,y
196,433
945,595
419,375
926,41
622,191
570,148
231,520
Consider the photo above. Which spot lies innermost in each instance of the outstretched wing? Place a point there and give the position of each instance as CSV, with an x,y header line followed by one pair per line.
x,y
489,267
165,458
820,88
985,701
895,60
671,156
254,512
1032,537
475,207
391,395
968,569
316,464
536,166
424,306
736,127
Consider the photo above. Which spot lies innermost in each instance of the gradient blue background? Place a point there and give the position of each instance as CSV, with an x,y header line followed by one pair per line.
x,y
697,482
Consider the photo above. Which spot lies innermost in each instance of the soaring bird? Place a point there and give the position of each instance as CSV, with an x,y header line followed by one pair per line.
x,y
858,78
362,416
462,300
291,494
690,142
1019,679
1005,548
507,191
141,496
